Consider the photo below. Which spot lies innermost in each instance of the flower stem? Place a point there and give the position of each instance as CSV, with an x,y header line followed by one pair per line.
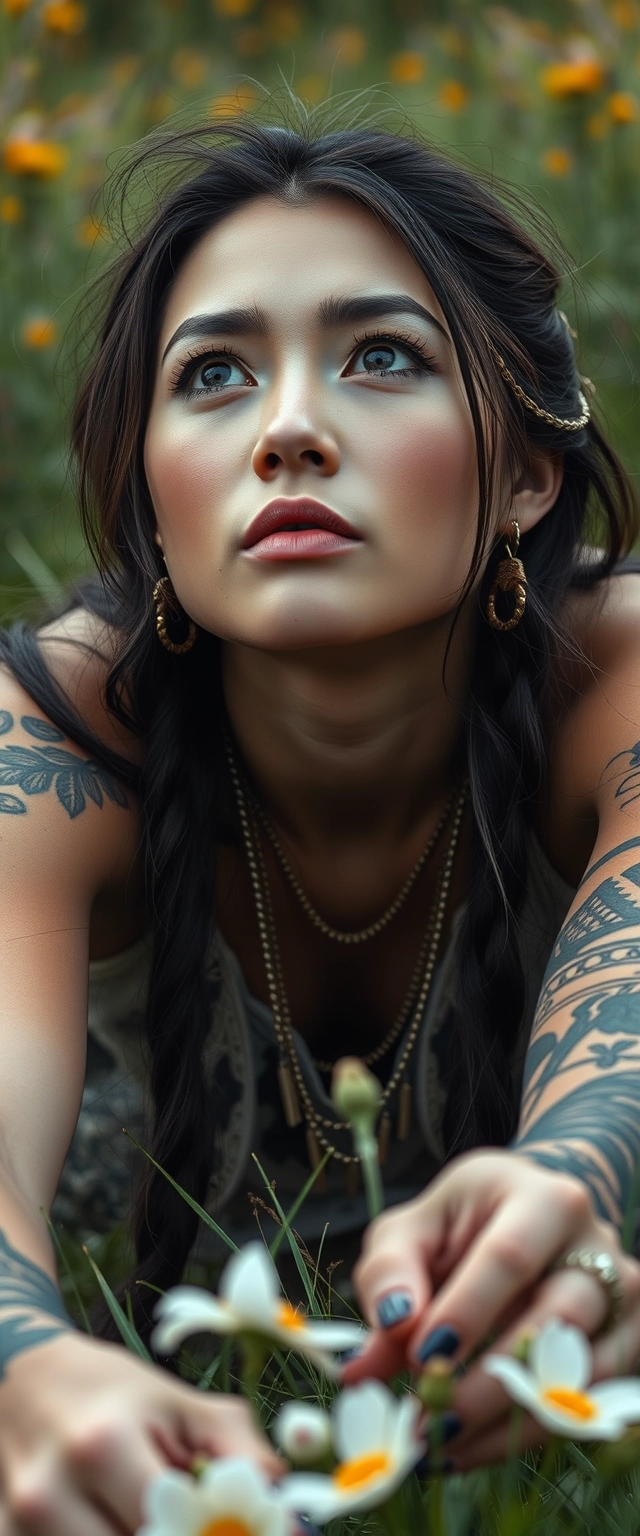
x,y
367,1149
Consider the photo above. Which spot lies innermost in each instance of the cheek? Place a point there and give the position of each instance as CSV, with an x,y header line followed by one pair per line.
x,y
188,472
427,471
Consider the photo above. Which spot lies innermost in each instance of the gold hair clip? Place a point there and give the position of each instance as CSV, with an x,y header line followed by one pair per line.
x,y
564,424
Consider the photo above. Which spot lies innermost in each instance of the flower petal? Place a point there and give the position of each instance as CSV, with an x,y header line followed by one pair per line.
x,y
250,1284
620,1398
515,1378
184,1310
312,1494
335,1334
361,1419
561,1356
169,1505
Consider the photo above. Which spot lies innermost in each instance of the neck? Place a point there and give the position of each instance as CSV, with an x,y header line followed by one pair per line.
x,y
354,742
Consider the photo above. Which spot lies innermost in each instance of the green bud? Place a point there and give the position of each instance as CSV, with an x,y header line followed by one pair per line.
x,y
355,1092
436,1385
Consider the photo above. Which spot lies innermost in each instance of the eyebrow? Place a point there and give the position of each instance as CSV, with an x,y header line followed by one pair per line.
x,y
332,312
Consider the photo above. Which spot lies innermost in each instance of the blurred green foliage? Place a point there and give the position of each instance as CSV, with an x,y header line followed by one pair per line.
x,y
546,95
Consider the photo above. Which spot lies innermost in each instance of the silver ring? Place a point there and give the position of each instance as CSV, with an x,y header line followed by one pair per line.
x,y
603,1268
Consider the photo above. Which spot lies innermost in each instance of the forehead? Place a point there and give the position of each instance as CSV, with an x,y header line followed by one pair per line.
x,y
287,257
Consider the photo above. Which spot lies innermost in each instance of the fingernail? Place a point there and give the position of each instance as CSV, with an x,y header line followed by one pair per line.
x,y
351,1354
394,1308
431,1466
441,1341
446,1428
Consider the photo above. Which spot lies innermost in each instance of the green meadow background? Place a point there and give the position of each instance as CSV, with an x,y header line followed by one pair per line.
x,y
546,95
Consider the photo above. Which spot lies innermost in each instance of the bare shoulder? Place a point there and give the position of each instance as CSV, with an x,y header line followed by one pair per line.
x,y
61,811
79,649
597,727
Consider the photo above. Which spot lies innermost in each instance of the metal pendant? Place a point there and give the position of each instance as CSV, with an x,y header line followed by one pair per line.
x,y
404,1112
384,1139
288,1094
314,1154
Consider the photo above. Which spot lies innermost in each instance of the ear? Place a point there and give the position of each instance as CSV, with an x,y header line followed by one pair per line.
x,y
537,489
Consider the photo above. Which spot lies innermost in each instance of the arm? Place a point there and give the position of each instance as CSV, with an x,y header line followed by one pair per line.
x,y
581,1098
83,1424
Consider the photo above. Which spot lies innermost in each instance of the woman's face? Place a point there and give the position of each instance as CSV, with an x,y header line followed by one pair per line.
x,y
305,368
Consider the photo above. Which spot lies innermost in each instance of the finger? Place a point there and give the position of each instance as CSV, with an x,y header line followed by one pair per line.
x,y
114,1467
39,1504
617,1352
508,1256
569,1295
225,1427
510,1436
392,1276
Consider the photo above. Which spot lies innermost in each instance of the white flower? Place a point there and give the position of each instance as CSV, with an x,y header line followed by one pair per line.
x,y
378,1441
554,1386
303,1432
231,1498
250,1301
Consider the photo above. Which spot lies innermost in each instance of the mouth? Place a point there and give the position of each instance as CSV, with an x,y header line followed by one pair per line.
x,y
298,529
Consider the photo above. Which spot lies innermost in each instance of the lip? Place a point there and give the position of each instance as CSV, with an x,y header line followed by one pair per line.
x,y
273,536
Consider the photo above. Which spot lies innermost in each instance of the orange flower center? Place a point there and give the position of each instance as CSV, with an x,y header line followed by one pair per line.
x,y
288,1317
363,1469
576,1404
227,1525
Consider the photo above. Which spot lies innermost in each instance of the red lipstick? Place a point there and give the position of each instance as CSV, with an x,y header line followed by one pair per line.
x,y
298,528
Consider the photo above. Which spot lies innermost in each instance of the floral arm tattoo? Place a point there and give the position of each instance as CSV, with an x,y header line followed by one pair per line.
x,y
35,770
581,1096
31,1307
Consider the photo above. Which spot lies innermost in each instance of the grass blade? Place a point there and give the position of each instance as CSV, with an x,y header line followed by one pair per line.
x,y
298,1259
199,1209
64,1262
299,1200
126,1330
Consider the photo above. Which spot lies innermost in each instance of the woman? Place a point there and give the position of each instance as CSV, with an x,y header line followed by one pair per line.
x,y
350,719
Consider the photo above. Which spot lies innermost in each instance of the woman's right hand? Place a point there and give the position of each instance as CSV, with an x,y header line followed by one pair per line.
x,y
84,1426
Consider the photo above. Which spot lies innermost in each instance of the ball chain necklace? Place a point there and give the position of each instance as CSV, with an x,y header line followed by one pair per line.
x,y
297,1104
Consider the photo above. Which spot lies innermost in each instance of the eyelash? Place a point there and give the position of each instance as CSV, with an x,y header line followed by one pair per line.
x,y
181,375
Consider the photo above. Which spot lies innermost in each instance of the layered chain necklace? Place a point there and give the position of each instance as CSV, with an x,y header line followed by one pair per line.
x,y
297,1104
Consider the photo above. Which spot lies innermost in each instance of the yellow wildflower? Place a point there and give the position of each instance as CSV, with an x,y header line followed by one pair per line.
x,y
189,67
124,70
576,77
597,126
556,161
348,45
407,68
283,21
39,333
15,7
251,40
34,157
229,9
66,18
11,209
453,95
232,103
91,229
624,107
312,87
626,14
160,105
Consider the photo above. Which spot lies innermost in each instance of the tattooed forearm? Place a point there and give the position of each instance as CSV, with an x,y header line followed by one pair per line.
x,y
35,770
31,1308
581,1097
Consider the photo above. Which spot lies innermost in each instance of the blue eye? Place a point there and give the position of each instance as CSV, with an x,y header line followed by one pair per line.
x,y
209,374
385,358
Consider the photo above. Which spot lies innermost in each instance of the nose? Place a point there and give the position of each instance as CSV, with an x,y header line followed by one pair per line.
x,y
292,442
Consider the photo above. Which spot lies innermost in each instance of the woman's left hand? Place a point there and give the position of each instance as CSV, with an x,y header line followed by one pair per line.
x,y
473,1255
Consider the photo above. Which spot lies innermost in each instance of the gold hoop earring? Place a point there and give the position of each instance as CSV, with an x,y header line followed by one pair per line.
x,y
510,577
167,606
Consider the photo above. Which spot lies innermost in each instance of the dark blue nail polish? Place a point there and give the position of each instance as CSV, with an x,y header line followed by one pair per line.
x,y
394,1308
441,1341
446,1427
431,1466
351,1354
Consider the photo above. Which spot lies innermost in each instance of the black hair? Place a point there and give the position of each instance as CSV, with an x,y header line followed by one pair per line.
x,y
498,291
